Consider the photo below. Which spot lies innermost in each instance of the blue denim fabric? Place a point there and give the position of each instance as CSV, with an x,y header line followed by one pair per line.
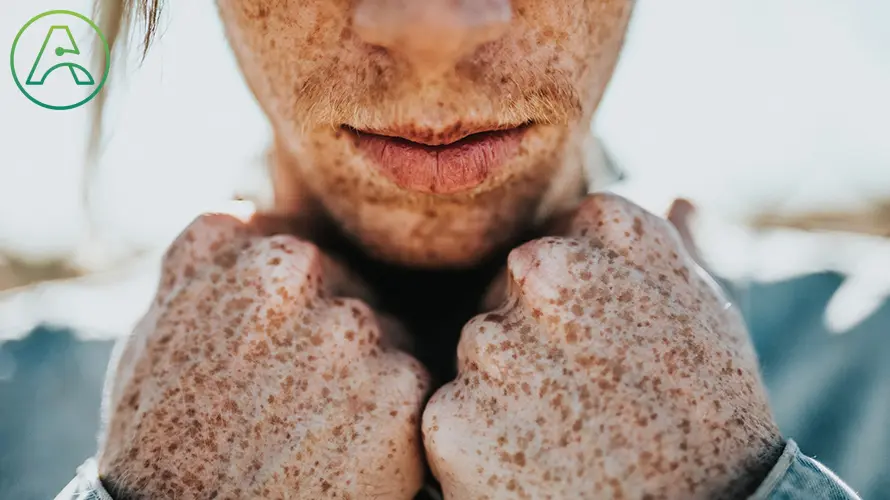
x,y
798,477
794,477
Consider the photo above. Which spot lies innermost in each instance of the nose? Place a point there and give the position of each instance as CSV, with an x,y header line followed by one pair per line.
x,y
432,35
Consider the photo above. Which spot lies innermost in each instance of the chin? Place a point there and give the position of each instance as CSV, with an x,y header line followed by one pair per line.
x,y
372,193
438,234
457,254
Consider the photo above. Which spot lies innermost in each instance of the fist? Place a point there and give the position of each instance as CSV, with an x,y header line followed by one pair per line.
x,y
252,376
614,368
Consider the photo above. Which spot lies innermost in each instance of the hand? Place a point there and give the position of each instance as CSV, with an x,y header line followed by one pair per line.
x,y
613,369
251,376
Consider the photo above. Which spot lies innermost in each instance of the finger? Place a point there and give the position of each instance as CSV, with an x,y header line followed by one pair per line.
x,y
284,266
549,274
342,282
682,215
621,235
211,240
348,328
644,240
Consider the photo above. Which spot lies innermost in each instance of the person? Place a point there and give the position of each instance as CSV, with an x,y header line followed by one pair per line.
x,y
437,306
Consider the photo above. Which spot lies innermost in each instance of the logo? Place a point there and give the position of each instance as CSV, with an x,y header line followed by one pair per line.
x,y
49,64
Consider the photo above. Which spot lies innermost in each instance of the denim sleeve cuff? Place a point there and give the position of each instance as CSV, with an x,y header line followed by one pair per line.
x,y
797,477
794,477
86,485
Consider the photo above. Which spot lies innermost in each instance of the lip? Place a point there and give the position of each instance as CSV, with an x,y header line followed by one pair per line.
x,y
447,162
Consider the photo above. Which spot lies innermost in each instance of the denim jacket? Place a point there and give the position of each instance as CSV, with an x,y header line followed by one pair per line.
x,y
794,477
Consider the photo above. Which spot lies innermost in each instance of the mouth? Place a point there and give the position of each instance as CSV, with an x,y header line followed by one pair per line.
x,y
439,162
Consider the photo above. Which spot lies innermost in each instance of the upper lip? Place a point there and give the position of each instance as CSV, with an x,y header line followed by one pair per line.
x,y
435,137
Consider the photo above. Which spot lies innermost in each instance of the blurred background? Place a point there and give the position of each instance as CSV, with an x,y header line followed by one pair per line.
x,y
772,116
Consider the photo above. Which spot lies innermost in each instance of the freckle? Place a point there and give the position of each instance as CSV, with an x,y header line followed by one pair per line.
x,y
638,226
226,260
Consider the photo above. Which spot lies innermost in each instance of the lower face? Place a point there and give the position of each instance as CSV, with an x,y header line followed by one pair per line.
x,y
430,159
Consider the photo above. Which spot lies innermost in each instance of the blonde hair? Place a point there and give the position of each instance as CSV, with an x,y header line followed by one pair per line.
x,y
115,18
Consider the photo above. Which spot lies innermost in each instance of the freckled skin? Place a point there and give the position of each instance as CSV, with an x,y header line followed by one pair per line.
x,y
612,369
609,368
253,376
313,69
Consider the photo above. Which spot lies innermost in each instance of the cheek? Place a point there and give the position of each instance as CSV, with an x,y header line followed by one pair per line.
x,y
578,38
281,45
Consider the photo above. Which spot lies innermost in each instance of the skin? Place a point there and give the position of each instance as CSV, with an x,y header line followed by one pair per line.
x,y
609,366
612,369
257,373
548,63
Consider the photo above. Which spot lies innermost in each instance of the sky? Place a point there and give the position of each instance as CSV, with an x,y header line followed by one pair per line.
x,y
738,105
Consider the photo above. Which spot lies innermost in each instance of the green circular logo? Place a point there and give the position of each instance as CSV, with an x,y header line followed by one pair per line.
x,y
44,85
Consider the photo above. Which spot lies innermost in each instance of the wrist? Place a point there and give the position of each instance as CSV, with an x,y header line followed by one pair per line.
x,y
117,490
149,479
756,465
719,466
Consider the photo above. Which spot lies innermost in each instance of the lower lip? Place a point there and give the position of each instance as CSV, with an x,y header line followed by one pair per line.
x,y
447,169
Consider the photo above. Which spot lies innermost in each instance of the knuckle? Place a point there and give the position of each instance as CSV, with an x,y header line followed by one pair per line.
x,y
615,217
291,250
448,437
615,224
210,238
351,322
495,350
477,341
214,222
410,380
285,261
545,271
437,416
209,231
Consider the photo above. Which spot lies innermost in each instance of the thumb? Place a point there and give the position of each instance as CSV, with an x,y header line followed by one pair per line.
x,y
682,214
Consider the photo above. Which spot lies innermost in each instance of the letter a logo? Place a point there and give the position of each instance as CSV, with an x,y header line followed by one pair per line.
x,y
62,39
60,60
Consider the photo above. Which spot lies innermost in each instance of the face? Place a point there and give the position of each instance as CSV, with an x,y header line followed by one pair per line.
x,y
431,131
